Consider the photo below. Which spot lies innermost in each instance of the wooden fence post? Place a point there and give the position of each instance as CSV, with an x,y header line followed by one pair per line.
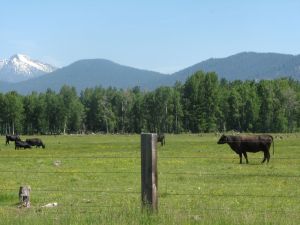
x,y
149,171
24,196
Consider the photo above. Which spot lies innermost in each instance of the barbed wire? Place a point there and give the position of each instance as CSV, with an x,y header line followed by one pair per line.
x,y
136,157
218,158
70,157
166,193
74,191
161,173
229,174
40,206
69,172
230,195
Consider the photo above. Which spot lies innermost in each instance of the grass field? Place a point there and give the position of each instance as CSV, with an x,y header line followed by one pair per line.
x,y
96,180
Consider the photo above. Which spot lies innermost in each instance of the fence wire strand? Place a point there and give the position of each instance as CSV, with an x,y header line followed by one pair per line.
x,y
135,157
75,191
160,173
166,193
70,157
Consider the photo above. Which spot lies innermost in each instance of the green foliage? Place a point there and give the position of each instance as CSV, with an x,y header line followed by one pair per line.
x,y
201,104
12,112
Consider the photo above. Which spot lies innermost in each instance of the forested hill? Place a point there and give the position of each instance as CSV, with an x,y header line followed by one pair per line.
x,y
247,66
88,73
100,72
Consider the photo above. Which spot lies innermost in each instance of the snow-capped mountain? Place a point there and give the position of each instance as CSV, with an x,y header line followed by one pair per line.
x,y
20,68
2,62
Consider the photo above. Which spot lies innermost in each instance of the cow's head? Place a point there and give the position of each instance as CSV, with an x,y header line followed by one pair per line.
x,y
223,139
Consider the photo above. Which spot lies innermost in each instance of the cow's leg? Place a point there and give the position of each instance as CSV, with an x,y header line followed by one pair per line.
x,y
246,157
268,156
240,154
265,157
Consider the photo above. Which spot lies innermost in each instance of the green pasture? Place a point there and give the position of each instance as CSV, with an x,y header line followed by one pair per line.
x,y
96,179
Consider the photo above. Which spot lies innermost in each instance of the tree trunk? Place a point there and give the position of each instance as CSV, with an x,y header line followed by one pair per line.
x,y
65,127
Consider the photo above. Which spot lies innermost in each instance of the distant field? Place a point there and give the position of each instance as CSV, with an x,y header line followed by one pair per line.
x,y
96,180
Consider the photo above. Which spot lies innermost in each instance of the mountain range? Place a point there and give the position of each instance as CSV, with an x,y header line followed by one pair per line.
x,y
105,73
248,66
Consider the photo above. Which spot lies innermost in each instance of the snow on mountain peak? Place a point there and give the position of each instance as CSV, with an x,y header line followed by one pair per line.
x,y
21,67
24,64
2,62
19,57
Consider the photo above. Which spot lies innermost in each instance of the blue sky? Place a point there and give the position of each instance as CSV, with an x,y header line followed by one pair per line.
x,y
160,35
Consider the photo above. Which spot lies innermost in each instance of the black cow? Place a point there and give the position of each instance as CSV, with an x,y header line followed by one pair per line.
x,y
161,138
21,144
12,138
243,144
35,142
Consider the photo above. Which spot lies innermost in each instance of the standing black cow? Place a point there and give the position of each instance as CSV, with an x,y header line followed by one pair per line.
x,y
12,138
161,138
35,142
243,144
21,144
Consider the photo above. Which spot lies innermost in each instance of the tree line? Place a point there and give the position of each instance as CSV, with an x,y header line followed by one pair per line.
x,y
204,103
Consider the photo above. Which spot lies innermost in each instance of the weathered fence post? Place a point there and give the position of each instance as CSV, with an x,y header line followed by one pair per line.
x,y
24,196
149,171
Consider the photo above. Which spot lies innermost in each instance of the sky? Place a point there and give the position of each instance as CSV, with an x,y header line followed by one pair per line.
x,y
159,35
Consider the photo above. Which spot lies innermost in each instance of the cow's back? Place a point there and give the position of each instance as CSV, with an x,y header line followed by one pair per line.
x,y
256,143
35,142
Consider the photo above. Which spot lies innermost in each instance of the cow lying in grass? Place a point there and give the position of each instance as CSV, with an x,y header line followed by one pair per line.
x,y
22,144
243,144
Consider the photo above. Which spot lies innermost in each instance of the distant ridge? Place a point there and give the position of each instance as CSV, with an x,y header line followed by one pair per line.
x,y
248,66
88,73
105,73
